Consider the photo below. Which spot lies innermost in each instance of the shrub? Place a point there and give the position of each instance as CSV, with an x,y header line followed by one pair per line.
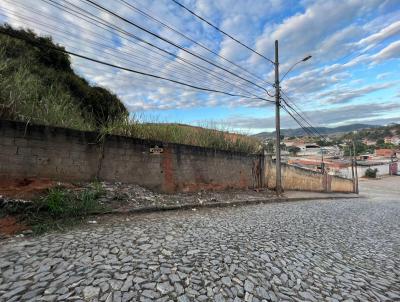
x,y
371,173
61,203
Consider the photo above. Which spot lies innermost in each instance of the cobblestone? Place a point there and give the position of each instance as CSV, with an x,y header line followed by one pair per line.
x,y
343,250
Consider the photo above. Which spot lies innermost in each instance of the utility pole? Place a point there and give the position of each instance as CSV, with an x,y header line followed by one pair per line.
x,y
352,170
355,169
278,186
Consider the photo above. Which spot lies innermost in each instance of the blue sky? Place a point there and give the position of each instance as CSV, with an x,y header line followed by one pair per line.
x,y
353,76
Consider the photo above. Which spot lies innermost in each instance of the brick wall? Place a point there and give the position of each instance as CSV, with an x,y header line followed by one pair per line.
x,y
66,154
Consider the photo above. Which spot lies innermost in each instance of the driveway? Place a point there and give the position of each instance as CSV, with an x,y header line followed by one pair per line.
x,y
324,250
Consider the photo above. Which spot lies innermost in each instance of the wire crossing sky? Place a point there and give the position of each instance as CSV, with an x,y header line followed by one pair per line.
x,y
353,76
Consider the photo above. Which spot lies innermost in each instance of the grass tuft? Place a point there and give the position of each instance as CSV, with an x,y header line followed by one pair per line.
x,y
60,208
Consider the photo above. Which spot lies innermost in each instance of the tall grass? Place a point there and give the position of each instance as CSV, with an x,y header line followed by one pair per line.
x,y
24,96
34,92
184,134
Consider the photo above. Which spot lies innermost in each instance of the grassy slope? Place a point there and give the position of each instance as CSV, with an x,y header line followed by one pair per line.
x,y
39,86
25,95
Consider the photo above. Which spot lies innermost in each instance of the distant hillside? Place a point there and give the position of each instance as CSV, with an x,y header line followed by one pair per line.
x,y
322,130
37,84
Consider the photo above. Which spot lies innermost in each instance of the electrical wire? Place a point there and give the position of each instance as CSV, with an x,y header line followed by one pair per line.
x,y
221,31
143,13
305,129
66,35
309,130
124,68
303,116
170,42
94,18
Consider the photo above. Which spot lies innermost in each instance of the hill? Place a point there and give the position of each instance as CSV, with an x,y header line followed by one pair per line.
x,y
37,84
322,130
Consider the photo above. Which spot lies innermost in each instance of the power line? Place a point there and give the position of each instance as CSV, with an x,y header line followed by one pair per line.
x,y
304,119
309,130
171,43
124,68
303,116
114,27
191,40
220,30
69,37
305,129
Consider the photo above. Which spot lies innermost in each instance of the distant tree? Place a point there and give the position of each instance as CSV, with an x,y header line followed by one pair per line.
x,y
294,150
270,147
371,173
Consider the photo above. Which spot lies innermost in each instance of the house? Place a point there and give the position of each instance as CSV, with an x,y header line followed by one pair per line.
x,y
309,149
365,157
369,142
385,152
388,140
395,140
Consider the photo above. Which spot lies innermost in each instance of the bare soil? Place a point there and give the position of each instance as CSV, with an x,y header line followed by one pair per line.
x,y
10,225
27,188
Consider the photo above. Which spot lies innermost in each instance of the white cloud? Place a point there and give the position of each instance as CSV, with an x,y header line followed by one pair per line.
x,y
392,51
384,33
328,30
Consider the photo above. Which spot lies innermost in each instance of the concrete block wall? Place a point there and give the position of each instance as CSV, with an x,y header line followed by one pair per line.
x,y
71,155
296,178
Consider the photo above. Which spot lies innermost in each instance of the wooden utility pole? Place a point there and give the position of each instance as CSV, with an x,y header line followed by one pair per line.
x,y
278,186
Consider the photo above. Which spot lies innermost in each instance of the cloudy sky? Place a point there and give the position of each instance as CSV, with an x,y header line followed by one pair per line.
x,y
352,77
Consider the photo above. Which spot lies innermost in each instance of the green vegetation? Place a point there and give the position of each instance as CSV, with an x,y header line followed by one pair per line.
x,y
59,209
185,134
371,173
293,150
360,148
38,85
377,134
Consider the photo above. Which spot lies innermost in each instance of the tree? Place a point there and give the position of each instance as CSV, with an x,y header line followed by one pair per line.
x,y
294,150
371,173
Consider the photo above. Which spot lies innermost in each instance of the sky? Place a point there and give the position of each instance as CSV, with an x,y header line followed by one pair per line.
x,y
352,77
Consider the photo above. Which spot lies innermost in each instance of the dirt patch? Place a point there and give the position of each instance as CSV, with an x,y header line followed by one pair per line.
x,y
27,188
10,225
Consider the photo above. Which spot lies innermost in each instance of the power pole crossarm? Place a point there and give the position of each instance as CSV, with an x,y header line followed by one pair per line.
x,y
278,186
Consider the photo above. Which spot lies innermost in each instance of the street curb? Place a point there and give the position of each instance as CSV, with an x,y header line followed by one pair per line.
x,y
223,204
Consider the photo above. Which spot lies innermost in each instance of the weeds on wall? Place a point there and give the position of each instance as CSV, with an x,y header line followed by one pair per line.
x,y
219,139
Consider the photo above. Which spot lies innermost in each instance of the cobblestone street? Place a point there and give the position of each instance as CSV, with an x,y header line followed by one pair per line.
x,y
328,250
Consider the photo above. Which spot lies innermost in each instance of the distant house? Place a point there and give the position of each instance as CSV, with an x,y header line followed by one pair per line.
x,y
369,142
388,140
365,157
309,149
385,153
395,140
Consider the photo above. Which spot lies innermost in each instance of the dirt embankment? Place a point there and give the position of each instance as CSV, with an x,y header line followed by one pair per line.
x,y
25,189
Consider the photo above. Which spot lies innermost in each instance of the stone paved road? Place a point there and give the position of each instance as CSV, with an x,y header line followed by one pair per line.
x,y
345,250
